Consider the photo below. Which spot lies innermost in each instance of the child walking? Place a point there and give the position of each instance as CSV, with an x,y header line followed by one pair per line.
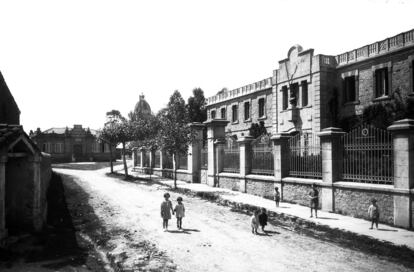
x,y
263,219
373,212
277,196
255,221
179,212
314,200
166,209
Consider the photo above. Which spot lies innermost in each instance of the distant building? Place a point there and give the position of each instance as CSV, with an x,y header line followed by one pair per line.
x,y
25,173
72,145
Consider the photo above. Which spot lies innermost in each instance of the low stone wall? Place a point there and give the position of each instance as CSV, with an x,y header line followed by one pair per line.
x,y
165,173
229,181
299,193
263,187
355,202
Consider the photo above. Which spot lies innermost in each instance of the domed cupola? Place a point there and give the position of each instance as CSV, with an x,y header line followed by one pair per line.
x,y
142,108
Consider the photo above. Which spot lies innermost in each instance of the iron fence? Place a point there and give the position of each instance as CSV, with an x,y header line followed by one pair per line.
x,y
146,159
305,156
139,158
157,158
368,156
183,162
262,156
231,158
204,157
167,161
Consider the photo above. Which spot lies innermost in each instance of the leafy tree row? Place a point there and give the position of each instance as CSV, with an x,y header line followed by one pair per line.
x,y
167,130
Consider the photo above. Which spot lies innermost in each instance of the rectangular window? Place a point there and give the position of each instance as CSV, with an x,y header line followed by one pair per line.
x,y
261,107
58,148
223,113
47,148
294,93
246,110
234,115
106,148
349,89
381,82
285,97
213,114
304,93
96,147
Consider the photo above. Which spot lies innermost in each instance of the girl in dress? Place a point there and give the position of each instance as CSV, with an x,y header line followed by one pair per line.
x,y
166,209
179,212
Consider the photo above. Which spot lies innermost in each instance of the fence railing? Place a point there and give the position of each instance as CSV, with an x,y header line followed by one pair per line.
x,y
305,156
368,156
231,160
262,157
157,158
183,162
139,158
167,161
146,159
204,157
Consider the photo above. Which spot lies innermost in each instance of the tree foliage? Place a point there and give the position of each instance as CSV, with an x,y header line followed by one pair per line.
x,y
196,106
257,130
174,135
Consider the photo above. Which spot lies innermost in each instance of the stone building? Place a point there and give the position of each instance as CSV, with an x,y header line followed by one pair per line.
x,y
25,173
304,106
71,144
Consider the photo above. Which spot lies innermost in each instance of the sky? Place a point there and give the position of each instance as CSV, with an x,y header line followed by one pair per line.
x,y
69,62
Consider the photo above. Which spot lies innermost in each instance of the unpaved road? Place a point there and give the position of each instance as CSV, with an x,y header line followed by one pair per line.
x,y
215,239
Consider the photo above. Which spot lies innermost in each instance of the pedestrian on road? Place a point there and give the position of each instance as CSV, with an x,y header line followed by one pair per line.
x,y
263,219
277,196
166,209
179,212
314,200
374,213
255,221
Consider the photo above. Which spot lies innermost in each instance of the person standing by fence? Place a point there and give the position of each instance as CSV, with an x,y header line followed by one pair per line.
x,y
373,212
314,200
277,196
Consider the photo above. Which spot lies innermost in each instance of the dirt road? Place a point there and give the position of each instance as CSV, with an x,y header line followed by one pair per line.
x,y
214,239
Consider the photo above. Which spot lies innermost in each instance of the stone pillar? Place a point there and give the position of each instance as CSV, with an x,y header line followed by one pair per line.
x,y
141,161
332,157
3,230
403,146
281,158
194,152
161,159
245,160
37,183
151,153
215,131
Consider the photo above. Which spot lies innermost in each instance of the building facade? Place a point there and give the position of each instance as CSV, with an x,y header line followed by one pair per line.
x,y
310,92
25,173
72,144
307,106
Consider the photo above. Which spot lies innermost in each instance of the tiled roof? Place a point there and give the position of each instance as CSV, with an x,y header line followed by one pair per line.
x,y
62,131
9,133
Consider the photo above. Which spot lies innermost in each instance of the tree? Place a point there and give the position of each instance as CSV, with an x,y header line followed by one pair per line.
x,y
196,106
117,130
257,130
174,134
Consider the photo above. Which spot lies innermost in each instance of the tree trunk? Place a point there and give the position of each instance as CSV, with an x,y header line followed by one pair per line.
x,y
175,171
110,158
124,159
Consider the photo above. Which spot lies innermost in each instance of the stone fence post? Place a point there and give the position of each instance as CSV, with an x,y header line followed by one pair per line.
x,y
219,159
245,160
281,158
215,131
403,146
141,159
194,152
134,156
332,158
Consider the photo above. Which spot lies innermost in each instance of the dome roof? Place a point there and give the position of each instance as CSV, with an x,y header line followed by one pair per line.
x,y
142,107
